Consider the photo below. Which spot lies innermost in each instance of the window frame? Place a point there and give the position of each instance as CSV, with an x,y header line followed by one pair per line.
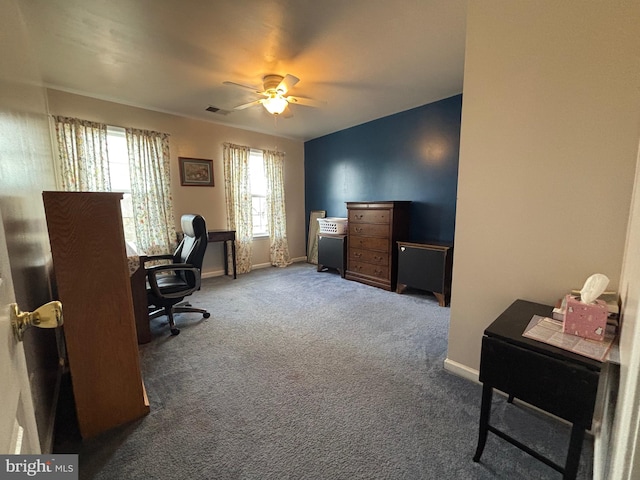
x,y
254,154
128,217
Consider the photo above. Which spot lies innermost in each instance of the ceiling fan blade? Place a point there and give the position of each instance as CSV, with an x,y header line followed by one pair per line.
x,y
287,112
247,105
307,102
248,87
287,84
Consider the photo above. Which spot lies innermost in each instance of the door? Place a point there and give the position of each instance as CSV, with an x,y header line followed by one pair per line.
x,y
18,431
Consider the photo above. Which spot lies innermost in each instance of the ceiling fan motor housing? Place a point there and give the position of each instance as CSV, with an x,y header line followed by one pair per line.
x,y
271,82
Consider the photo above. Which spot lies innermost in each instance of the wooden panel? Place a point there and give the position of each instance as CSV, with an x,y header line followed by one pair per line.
x,y
370,229
376,258
92,279
378,271
369,216
140,306
368,243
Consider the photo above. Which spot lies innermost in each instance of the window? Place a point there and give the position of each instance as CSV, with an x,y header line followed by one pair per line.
x,y
258,180
120,180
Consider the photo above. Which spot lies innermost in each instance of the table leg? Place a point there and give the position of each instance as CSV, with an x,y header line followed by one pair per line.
x,y
485,412
233,257
225,251
573,455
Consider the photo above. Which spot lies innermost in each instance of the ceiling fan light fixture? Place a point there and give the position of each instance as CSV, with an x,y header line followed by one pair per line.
x,y
275,104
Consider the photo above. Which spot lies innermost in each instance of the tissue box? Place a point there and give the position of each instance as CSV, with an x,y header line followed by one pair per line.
x,y
588,320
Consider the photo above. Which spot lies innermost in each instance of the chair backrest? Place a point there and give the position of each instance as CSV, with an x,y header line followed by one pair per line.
x,y
193,245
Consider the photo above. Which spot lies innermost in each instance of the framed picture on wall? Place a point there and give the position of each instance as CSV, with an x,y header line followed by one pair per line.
x,y
196,172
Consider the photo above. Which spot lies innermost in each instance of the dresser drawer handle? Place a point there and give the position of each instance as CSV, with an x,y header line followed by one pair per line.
x,y
358,229
357,254
377,258
377,273
358,216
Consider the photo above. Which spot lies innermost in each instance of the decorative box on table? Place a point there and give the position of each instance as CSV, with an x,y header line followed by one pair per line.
x,y
587,320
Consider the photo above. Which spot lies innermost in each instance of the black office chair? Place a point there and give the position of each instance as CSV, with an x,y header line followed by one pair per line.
x,y
169,284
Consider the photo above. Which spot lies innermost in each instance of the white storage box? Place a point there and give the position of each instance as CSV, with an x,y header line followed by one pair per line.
x,y
333,225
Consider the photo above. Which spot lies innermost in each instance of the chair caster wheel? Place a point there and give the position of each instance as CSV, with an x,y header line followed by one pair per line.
x,y
175,331
206,315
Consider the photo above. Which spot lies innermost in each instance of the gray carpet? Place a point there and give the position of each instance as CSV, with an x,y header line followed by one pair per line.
x,y
305,375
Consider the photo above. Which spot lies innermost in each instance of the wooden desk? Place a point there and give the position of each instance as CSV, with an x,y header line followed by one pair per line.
x,y
557,381
138,276
225,236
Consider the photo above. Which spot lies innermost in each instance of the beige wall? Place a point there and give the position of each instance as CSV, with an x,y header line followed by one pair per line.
x,y
549,143
550,126
199,139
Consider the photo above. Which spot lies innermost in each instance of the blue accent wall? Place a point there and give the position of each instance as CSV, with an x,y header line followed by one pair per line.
x,y
412,155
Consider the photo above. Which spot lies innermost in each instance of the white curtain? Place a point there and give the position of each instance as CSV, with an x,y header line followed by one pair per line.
x,y
239,203
82,151
276,216
149,168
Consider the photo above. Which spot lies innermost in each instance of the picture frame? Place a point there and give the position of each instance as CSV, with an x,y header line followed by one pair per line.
x,y
196,172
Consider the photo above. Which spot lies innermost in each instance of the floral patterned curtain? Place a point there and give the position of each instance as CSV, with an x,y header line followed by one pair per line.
x,y
82,151
276,216
149,167
239,204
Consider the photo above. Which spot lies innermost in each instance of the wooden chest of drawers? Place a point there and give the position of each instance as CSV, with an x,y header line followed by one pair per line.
x,y
374,228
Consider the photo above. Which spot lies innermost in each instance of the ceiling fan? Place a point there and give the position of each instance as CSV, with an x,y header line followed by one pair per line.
x,y
275,89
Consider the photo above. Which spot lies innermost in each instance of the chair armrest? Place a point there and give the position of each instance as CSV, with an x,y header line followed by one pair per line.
x,y
151,258
152,273
169,266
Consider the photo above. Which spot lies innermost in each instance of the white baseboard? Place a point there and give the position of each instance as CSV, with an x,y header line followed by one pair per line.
x,y
215,273
461,370
220,273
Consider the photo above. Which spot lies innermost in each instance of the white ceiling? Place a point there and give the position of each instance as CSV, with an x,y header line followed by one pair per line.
x,y
365,58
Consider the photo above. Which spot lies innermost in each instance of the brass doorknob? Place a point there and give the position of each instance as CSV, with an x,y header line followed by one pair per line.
x,y
48,315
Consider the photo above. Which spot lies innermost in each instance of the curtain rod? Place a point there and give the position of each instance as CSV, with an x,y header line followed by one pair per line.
x,y
110,125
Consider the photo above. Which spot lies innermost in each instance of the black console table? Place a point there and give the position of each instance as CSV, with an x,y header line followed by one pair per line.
x,y
555,380
225,236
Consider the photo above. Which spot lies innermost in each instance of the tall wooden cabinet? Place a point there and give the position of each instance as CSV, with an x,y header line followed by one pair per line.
x,y
374,228
92,282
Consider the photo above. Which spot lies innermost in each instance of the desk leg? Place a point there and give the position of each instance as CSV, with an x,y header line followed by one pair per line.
x,y
573,455
233,257
485,411
140,307
225,251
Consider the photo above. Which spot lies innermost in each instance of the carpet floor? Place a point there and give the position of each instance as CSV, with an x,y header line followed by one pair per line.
x,y
304,375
